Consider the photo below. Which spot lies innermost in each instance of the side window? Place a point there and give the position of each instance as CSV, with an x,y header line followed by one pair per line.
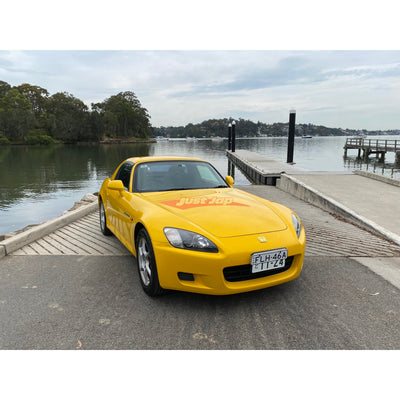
x,y
124,173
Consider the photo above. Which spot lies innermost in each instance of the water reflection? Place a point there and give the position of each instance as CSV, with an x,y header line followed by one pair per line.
x,y
375,165
231,169
39,183
27,171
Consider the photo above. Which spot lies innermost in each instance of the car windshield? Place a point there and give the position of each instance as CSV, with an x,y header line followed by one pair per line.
x,y
157,176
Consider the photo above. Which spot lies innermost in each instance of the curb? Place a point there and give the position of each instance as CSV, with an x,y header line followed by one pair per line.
x,y
304,192
11,244
367,174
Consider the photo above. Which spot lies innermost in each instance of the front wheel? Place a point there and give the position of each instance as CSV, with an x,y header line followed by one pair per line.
x,y
147,265
103,220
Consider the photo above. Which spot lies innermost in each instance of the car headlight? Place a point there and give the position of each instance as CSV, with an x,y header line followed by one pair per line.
x,y
183,239
296,224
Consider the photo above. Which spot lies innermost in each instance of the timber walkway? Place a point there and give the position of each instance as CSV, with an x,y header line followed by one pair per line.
x,y
373,146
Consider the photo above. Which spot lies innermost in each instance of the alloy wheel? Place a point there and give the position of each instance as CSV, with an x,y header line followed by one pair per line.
x,y
144,262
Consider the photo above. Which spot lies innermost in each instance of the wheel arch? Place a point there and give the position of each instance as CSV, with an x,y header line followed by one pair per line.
x,y
138,227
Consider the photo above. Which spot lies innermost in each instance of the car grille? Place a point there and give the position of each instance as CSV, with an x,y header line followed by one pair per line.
x,y
240,273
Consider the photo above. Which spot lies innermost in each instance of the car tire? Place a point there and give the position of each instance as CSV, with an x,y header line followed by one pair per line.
x,y
103,220
146,263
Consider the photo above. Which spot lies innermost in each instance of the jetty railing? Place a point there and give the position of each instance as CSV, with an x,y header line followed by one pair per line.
x,y
372,146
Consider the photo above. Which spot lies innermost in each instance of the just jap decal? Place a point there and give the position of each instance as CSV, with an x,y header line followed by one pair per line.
x,y
192,202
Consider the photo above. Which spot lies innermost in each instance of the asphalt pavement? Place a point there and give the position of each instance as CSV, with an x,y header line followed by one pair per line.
x,y
96,302
347,297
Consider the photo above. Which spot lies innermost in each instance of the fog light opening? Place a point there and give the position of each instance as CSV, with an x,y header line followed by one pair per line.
x,y
186,276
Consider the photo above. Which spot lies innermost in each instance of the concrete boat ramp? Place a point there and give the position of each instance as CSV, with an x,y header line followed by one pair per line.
x,y
64,285
368,200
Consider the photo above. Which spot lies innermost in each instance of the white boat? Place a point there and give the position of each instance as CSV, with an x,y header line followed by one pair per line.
x,y
306,137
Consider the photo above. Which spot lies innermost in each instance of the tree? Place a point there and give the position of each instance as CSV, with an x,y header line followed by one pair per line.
x,y
124,116
27,107
37,96
4,88
69,117
16,117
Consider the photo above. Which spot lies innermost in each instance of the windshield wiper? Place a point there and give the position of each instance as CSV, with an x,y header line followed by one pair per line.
x,y
182,188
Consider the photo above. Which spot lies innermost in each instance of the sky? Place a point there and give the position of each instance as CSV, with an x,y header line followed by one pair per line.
x,y
337,63
354,89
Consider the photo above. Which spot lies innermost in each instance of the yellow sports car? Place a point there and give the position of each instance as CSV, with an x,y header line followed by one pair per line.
x,y
190,230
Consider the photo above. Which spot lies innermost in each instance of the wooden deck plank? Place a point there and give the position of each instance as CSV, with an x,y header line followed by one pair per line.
x,y
50,246
20,252
65,246
107,242
38,248
80,237
76,241
85,239
29,250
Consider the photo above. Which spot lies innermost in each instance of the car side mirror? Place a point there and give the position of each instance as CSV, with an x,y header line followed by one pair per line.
x,y
229,180
116,185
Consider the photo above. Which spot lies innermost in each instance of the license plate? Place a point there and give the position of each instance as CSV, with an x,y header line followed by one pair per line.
x,y
268,260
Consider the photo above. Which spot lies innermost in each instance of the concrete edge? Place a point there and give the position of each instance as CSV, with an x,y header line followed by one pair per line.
x,y
11,244
377,177
304,192
386,267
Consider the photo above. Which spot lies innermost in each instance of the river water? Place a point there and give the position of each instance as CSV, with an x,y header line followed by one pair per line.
x,y
40,183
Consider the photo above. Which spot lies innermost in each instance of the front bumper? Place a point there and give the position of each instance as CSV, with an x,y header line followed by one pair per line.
x,y
208,268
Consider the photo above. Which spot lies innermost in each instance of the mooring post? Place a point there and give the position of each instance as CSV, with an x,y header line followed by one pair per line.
x,y
233,136
230,136
290,149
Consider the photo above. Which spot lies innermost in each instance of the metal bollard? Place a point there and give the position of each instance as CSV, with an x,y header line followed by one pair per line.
x,y
290,149
233,136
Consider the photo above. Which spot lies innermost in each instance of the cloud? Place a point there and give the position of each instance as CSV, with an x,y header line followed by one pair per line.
x,y
178,87
288,71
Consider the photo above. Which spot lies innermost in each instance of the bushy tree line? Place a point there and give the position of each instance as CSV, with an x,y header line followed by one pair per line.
x,y
28,114
209,128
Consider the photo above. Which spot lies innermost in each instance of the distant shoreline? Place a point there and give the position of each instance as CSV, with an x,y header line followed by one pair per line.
x,y
106,141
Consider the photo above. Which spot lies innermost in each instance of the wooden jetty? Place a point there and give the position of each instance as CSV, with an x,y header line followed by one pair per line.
x,y
373,146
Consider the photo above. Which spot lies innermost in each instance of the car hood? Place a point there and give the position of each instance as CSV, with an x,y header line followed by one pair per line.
x,y
221,212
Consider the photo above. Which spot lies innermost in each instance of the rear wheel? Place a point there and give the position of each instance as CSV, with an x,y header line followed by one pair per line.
x,y
103,220
147,265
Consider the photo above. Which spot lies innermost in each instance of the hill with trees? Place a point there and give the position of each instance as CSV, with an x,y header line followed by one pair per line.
x,y
247,128
29,114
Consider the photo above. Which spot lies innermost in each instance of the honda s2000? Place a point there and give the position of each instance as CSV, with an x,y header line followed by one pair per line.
x,y
190,230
